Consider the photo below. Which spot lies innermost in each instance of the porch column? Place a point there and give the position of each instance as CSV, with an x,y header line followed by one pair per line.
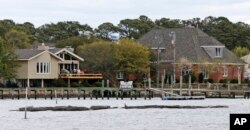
x,y
42,83
28,82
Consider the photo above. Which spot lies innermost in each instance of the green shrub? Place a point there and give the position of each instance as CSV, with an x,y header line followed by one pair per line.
x,y
233,81
201,78
75,84
11,84
85,84
1,85
186,78
210,80
97,84
58,83
223,81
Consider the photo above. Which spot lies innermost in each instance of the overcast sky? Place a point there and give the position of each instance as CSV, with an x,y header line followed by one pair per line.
x,y
95,12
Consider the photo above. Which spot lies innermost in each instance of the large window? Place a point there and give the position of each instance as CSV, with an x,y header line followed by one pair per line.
x,y
42,67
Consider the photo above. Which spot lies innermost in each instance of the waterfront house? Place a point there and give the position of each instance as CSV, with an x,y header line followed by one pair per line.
x,y
192,45
40,65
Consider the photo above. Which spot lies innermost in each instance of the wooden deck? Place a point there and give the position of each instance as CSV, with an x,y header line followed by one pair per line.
x,y
81,76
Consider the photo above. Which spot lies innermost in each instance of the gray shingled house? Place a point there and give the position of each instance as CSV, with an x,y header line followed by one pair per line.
x,y
198,48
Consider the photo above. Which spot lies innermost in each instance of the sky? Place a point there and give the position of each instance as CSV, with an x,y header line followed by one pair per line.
x,y
96,12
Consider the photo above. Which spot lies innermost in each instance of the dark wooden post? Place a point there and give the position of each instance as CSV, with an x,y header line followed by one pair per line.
x,y
35,94
116,94
96,94
67,94
18,94
122,94
149,94
84,94
108,94
45,94
90,94
135,94
78,94
2,94
219,94
51,94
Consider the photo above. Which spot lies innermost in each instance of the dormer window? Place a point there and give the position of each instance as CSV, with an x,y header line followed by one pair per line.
x,y
218,52
214,51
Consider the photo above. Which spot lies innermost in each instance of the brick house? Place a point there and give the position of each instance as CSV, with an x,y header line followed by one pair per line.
x,y
206,55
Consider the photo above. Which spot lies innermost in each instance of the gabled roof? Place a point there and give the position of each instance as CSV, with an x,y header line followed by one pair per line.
x,y
60,50
29,54
188,44
26,54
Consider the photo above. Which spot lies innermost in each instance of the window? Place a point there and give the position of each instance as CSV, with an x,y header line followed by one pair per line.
x,y
119,75
225,71
218,52
205,73
42,67
186,70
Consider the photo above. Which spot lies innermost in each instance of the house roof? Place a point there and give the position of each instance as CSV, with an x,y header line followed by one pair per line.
x,y
188,44
28,54
60,50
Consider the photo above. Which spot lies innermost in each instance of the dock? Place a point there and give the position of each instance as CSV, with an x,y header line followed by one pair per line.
x,y
134,93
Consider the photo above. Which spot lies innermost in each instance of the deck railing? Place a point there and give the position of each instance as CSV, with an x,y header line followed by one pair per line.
x,y
82,76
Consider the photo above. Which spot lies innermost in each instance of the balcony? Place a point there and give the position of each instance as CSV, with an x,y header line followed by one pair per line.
x,y
81,76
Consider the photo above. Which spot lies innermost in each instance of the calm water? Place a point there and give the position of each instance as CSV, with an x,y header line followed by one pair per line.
x,y
114,119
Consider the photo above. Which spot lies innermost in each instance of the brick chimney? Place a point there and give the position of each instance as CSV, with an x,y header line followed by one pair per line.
x,y
43,47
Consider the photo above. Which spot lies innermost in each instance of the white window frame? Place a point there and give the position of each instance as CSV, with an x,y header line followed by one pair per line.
x,y
120,75
205,73
43,67
225,71
218,52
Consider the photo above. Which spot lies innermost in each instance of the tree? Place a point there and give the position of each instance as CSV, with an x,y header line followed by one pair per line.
x,y
8,62
168,23
17,39
131,57
228,33
5,26
62,30
98,56
241,51
107,31
134,28
75,41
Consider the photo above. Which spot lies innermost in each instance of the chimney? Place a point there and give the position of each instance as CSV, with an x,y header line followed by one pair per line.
x,y
43,47
69,48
